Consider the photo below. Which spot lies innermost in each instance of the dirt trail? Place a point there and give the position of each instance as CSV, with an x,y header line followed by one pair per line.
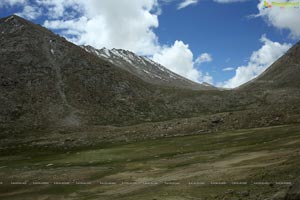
x,y
207,171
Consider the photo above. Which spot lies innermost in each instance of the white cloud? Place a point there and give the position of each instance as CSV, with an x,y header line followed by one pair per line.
x,y
259,61
30,12
208,78
65,9
228,69
113,24
287,18
229,1
205,57
179,59
186,3
5,3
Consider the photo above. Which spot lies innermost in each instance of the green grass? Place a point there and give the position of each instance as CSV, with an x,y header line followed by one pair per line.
x,y
262,154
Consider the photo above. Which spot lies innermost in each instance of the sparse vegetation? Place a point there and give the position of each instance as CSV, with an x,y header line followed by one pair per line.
x,y
250,155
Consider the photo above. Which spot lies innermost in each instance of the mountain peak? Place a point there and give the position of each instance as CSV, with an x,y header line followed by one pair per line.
x,y
15,20
12,24
17,24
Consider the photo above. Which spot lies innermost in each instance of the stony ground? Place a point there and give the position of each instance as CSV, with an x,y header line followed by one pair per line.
x,y
243,164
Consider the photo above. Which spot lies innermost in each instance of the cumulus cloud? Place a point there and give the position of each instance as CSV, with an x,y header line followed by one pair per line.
x,y
259,61
287,18
227,69
205,57
110,23
186,3
60,8
179,59
30,12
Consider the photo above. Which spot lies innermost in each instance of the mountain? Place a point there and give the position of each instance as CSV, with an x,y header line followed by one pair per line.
x,y
282,74
48,82
146,69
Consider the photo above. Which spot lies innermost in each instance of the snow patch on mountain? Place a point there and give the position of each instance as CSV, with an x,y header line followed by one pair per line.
x,y
144,68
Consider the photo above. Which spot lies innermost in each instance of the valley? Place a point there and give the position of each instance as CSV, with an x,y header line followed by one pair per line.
x,y
247,164
83,123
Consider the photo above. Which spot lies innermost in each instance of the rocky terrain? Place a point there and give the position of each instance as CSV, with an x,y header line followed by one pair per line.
x,y
48,83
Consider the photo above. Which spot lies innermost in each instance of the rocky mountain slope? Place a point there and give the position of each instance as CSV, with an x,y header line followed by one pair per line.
x,y
279,84
282,74
146,69
47,82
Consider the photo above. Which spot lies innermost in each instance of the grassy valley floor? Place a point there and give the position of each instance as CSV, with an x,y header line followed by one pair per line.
x,y
243,164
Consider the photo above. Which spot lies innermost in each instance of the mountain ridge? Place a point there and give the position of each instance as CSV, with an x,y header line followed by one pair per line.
x,y
280,74
146,69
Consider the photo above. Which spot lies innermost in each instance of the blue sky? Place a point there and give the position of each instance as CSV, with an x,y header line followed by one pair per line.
x,y
240,36
224,30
